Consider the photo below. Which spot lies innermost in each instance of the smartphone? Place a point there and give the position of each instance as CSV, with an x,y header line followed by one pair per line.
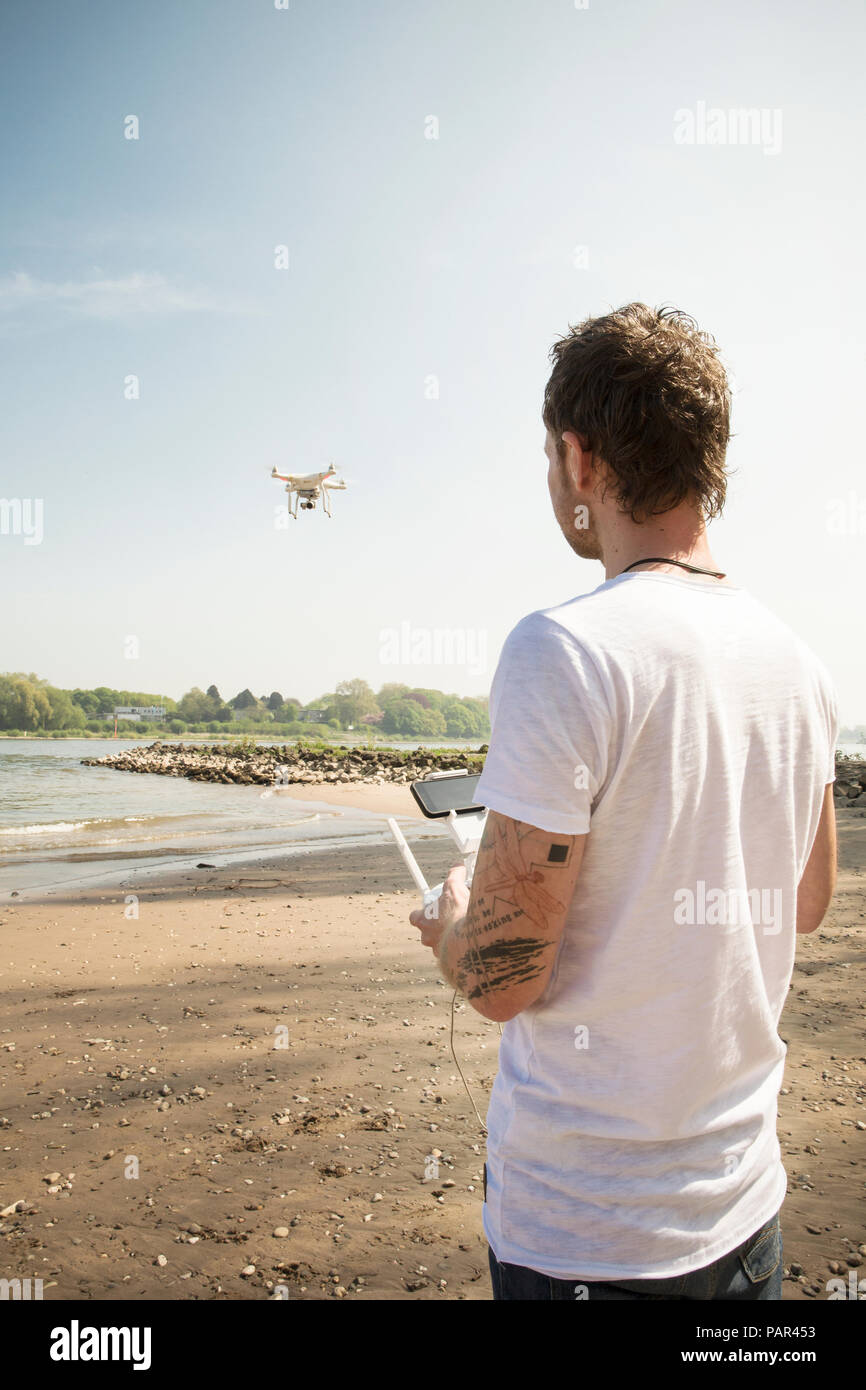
x,y
442,793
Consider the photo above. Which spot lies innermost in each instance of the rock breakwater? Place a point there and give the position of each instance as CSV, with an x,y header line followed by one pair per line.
x,y
289,764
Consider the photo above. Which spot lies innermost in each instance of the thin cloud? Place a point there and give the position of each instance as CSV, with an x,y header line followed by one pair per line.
x,y
136,294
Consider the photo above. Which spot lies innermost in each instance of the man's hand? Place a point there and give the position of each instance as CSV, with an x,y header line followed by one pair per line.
x,y
446,911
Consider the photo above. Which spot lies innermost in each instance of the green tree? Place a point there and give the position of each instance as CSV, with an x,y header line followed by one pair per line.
x,y
196,707
353,700
64,713
466,718
24,704
411,718
459,721
434,698
391,691
88,701
106,700
480,710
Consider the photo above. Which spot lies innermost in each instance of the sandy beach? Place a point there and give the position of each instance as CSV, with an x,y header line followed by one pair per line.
x,y
240,1083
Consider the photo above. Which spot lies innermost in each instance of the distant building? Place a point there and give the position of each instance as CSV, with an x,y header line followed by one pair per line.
x,y
311,716
139,712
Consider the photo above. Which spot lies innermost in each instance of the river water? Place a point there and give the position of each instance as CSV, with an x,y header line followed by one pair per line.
x,y
62,824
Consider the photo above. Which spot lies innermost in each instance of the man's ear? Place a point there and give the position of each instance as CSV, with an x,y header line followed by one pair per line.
x,y
578,460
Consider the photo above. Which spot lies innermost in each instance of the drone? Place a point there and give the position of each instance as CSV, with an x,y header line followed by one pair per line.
x,y
305,489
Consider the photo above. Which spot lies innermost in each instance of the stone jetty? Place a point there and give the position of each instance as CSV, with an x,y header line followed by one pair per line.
x,y
292,763
289,764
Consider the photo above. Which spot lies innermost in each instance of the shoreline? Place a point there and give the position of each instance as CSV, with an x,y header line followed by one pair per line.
x,y
393,741
343,815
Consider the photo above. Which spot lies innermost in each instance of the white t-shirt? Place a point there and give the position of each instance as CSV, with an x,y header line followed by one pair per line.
x,y
632,1123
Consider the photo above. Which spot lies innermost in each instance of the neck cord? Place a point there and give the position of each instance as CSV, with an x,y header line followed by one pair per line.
x,y
659,560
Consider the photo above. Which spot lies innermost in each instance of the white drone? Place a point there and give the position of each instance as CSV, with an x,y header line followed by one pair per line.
x,y
306,489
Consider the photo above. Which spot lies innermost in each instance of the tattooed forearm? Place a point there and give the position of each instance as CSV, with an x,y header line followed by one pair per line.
x,y
501,953
499,965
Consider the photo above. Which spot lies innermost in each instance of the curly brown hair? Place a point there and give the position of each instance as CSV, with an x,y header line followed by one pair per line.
x,y
647,390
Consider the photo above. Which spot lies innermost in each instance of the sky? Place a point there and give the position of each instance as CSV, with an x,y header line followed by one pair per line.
x,y
452,183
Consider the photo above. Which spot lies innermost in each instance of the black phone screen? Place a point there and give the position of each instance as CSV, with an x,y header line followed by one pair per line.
x,y
438,795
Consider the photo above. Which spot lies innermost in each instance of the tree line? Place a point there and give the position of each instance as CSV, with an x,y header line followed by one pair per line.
x,y
29,704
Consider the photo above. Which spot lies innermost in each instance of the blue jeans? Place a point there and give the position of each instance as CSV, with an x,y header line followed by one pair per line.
x,y
752,1271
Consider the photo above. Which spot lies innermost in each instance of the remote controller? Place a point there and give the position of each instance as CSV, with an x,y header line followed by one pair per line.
x,y
466,831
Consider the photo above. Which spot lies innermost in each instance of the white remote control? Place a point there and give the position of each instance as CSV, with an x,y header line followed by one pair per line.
x,y
466,830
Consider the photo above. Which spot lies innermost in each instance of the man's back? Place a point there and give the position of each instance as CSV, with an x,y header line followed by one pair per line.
x,y
632,1123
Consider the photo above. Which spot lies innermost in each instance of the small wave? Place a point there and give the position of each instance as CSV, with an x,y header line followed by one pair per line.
x,y
59,827
51,827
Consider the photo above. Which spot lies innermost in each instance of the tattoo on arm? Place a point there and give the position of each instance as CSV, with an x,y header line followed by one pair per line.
x,y
512,895
518,883
499,964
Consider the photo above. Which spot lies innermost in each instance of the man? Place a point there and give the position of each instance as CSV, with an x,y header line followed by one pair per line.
x,y
661,825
